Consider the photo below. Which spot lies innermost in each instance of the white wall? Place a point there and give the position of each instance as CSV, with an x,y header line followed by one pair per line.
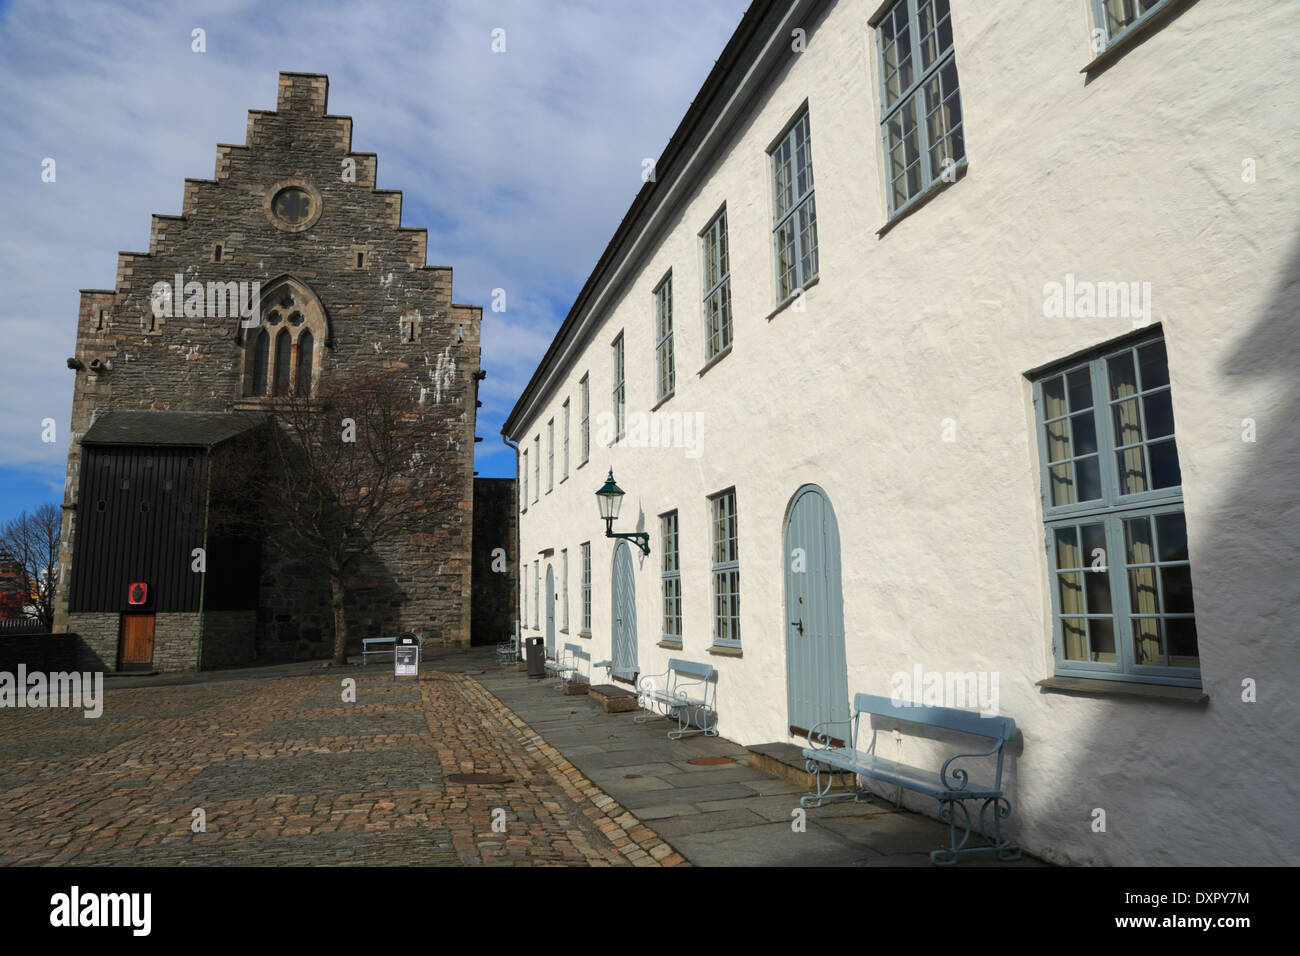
x,y
1133,175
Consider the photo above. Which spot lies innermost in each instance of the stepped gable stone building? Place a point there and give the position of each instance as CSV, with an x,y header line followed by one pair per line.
x,y
344,290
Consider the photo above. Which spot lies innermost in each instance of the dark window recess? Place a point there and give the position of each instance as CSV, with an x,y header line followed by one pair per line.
x,y
216,254
361,260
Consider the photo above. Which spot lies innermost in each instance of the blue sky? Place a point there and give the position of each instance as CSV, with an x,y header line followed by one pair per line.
x,y
520,164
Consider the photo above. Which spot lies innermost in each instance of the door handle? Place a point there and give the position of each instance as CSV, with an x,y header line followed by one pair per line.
x,y
798,624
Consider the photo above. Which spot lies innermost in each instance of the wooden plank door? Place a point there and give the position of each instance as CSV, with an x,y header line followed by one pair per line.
x,y
624,624
137,642
816,669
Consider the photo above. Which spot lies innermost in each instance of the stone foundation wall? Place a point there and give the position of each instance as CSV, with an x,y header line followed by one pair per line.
x,y
228,638
494,589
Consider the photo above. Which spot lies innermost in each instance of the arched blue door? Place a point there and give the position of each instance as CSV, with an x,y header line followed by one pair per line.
x,y
815,666
550,611
624,614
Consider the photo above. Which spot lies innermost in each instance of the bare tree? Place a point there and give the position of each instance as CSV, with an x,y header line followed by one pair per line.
x,y
335,474
32,542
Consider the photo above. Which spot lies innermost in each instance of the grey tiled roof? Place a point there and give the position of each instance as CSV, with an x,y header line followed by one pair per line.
x,y
195,429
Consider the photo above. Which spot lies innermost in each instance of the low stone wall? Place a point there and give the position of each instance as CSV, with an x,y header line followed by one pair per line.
x,y
39,652
97,634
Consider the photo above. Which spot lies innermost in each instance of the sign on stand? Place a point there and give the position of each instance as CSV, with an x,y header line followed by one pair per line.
x,y
406,656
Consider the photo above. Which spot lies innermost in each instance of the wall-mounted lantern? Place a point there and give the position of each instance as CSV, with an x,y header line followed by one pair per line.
x,y
610,497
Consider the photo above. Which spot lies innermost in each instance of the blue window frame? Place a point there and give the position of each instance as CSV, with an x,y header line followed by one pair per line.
x,y
1114,18
670,578
586,587
726,570
1116,535
564,584
523,473
620,390
921,123
550,456
717,288
584,425
794,229
665,370
564,458
537,467
537,594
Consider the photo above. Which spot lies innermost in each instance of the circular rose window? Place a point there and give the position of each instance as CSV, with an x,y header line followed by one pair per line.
x,y
293,205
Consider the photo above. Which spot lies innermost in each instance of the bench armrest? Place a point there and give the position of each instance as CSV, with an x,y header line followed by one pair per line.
x,y
815,733
959,776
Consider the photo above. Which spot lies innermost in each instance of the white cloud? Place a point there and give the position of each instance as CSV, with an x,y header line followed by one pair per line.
x,y
520,164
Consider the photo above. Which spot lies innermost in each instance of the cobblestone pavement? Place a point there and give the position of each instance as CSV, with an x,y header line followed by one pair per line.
x,y
288,773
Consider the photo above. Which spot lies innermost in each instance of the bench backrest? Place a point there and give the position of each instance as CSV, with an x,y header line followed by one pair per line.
x,y
948,718
691,669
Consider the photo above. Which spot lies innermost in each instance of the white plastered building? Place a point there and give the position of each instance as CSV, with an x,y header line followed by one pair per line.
x,y
1003,352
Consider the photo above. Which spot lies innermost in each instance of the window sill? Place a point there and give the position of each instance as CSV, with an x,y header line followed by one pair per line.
x,y
671,645
714,361
667,398
791,300
582,464
924,197
722,651
586,634
1130,38
1092,687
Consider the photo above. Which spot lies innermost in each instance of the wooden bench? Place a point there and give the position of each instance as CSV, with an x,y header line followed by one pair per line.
x,y
950,784
368,645
687,691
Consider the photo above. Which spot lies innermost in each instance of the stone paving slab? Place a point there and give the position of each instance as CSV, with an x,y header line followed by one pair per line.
x,y
713,815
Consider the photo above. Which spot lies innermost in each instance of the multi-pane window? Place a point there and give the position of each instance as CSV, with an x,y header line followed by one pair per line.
x,y
537,467
586,587
921,121
584,424
726,570
550,455
523,474
1114,18
564,458
1113,505
665,372
717,288
620,391
564,579
671,575
537,594
795,229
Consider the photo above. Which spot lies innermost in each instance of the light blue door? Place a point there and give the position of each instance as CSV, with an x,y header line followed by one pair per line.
x,y
816,671
550,611
624,614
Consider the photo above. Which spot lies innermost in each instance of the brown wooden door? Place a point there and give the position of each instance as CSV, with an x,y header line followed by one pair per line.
x,y
137,641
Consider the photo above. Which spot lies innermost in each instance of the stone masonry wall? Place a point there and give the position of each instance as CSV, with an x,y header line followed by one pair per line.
x,y
390,312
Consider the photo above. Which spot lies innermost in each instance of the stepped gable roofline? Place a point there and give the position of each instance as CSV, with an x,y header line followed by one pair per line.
x,y
183,429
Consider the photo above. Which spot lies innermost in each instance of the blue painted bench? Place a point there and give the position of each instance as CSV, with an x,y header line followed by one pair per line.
x,y
567,664
687,691
371,646
950,784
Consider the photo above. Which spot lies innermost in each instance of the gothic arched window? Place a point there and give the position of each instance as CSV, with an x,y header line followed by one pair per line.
x,y
283,358
261,354
280,354
305,348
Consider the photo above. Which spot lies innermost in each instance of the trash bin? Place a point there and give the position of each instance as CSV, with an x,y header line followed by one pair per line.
x,y
536,656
